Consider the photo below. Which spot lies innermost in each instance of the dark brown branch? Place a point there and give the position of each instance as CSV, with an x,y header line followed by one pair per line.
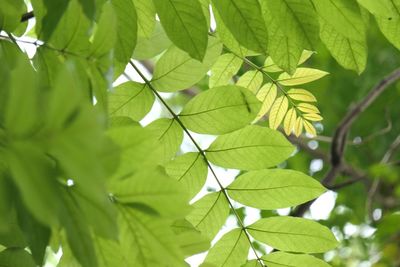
x,y
339,138
27,16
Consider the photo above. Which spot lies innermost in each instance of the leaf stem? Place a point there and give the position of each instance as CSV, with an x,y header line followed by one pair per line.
x,y
203,154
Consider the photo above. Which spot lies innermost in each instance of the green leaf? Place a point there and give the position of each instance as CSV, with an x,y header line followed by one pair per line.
x,y
297,21
244,20
104,38
150,47
176,70
383,8
279,259
251,148
10,14
16,257
77,230
33,173
252,80
266,95
278,111
293,234
130,99
48,14
284,47
147,240
209,214
138,149
301,95
146,17
72,31
344,16
220,110
185,24
274,189
108,253
224,69
126,32
230,250
301,76
169,136
387,15
190,240
154,189
343,32
189,169
98,211
228,39
36,234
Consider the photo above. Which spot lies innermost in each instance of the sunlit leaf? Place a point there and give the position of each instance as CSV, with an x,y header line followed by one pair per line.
x,y
274,189
278,259
290,121
293,234
278,111
230,250
266,95
301,95
250,148
209,214
301,76
220,110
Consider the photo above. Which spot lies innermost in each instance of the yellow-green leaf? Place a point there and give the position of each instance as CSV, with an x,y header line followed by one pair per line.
x,y
309,128
298,127
251,80
267,95
290,120
301,95
312,117
301,76
278,111
308,108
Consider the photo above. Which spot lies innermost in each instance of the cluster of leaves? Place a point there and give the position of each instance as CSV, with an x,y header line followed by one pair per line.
x,y
89,178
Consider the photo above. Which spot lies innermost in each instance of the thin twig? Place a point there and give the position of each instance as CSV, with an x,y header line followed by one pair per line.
x,y
375,185
203,154
27,16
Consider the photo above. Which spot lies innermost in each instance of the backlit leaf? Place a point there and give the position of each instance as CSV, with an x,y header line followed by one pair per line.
x,y
278,111
301,76
251,80
209,214
130,99
185,25
298,127
279,259
301,95
169,136
307,108
190,169
293,234
224,69
220,110
251,148
230,250
266,95
290,121
310,129
274,189
243,19
176,70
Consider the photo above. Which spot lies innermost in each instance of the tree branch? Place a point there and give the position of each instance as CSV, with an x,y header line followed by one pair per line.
x,y
27,16
339,138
